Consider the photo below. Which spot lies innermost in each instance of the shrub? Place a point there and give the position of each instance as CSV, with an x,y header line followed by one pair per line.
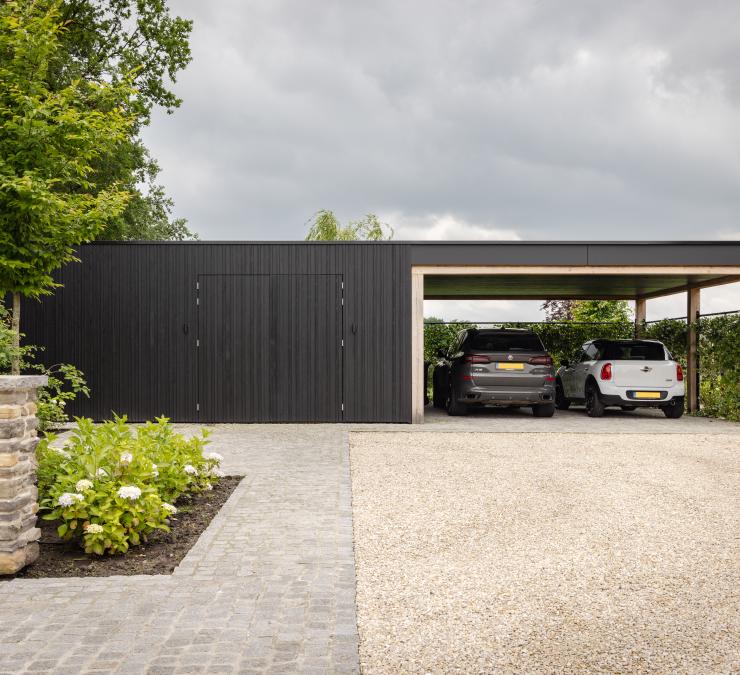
x,y
65,383
111,487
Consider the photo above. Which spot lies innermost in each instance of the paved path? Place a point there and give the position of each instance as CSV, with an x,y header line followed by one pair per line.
x,y
269,587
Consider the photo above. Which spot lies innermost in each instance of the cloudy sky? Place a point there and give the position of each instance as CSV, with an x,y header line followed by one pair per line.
x,y
518,119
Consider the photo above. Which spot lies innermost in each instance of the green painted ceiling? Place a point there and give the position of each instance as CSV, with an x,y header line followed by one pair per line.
x,y
540,286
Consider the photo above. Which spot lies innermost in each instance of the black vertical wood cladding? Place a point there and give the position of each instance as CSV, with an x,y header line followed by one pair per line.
x,y
270,348
126,315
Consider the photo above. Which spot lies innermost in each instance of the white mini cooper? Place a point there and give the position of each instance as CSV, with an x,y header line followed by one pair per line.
x,y
624,373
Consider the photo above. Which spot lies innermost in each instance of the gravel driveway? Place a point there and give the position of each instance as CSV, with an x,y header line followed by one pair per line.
x,y
547,552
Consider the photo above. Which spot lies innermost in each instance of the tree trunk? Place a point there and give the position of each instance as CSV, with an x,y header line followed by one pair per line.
x,y
15,365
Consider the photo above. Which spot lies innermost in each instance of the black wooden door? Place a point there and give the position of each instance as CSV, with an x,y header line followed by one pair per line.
x,y
270,348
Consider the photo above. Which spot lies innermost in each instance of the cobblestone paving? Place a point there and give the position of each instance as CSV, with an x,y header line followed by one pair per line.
x,y
269,587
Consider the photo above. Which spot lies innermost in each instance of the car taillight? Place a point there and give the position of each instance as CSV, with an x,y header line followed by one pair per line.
x,y
477,358
541,360
679,372
606,371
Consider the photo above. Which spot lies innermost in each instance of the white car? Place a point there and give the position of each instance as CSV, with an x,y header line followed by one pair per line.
x,y
624,373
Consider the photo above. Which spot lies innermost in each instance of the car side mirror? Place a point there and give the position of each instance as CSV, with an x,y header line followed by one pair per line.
x,y
565,363
441,353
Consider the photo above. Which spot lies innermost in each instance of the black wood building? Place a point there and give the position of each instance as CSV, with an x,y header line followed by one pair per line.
x,y
309,331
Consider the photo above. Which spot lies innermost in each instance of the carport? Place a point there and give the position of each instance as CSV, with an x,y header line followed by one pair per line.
x,y
606,271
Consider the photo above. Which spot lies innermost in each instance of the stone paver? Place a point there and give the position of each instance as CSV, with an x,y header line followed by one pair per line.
x,y
269,587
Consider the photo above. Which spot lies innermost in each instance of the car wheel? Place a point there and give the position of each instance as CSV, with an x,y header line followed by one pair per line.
x,y
544,410
454,407
674,410
561,403
594,406
628,408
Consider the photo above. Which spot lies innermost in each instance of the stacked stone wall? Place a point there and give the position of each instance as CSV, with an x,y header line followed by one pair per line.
x,y
18,493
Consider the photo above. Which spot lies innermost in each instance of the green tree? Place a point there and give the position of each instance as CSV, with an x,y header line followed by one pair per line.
x,y
604,311
112,41
558,310
592,311
49,140
326,227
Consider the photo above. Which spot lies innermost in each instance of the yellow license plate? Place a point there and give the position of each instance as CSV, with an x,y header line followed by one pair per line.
x,y
647,394
510,366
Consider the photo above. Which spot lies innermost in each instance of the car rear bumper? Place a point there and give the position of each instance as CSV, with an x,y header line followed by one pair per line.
x,y
506,395
651,403
612,395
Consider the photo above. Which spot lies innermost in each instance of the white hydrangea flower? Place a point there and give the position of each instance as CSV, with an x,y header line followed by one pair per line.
x,y
217,473
208,486
82,485
94,528
62,452
169,508
214,456
129,492
69,498
190,470
101,473
155,471
126,458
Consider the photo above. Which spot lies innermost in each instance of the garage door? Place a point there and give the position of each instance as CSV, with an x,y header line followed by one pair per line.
x,y
270,348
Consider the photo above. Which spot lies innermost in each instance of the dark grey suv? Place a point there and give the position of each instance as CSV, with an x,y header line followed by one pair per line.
x,y
497,367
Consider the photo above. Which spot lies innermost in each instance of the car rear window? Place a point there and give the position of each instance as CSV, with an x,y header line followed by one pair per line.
x,y
506,342
633,351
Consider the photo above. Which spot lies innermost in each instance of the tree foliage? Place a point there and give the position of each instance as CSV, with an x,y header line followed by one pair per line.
x,y
586,310
558,310
616,311
326,227
111,40
49,142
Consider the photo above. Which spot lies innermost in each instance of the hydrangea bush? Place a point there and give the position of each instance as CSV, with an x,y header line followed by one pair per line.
x,y
110,486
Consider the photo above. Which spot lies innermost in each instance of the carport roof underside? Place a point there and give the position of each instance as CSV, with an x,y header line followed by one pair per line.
x,y
564,286
572,270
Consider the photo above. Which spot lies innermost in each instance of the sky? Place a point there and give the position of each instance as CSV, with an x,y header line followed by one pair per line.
x,y
521,119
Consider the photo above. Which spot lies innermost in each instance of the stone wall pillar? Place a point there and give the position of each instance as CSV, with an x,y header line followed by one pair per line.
x,y
18,492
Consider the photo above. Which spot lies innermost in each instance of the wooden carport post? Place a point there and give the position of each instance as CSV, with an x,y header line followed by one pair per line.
x,y
693,307
640,314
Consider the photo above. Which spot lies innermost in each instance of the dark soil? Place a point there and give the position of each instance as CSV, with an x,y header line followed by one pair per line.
x,y
160,555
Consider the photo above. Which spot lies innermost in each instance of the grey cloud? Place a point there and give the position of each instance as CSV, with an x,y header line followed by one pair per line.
x,y
547,120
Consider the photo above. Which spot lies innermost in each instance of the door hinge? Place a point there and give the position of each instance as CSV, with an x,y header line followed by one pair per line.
x,y
342,407
197,407
197,343
342,343
342,302
197,285
197,301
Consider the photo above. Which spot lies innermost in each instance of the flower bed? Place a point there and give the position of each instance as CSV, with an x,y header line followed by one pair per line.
x,y
110,487
160,554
